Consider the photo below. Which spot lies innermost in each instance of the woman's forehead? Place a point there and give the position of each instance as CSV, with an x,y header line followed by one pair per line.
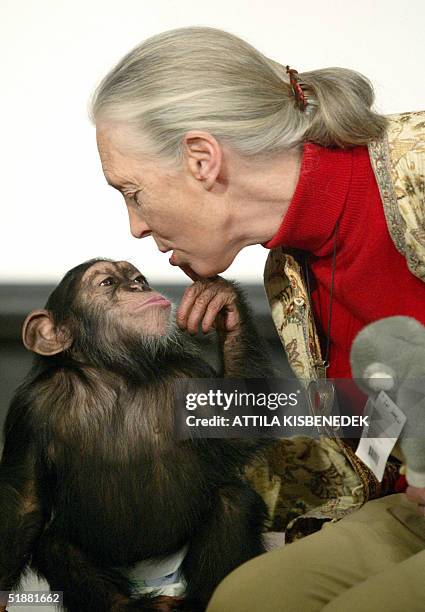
x,y
117,145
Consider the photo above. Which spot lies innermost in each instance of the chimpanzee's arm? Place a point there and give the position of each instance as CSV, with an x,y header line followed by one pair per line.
x,y
244,352
228,538
21,514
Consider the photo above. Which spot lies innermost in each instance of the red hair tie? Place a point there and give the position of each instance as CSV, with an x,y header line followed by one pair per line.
x,y
296,88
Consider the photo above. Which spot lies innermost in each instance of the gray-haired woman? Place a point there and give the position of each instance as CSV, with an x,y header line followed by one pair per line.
x,y
216,147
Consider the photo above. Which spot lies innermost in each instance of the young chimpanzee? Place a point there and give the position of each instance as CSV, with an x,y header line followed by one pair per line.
x,y
92,479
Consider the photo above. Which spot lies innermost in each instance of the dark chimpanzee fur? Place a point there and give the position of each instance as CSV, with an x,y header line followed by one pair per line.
x,y
92,479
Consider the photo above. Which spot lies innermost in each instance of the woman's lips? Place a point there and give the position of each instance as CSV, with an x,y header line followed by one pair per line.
x,y
185,268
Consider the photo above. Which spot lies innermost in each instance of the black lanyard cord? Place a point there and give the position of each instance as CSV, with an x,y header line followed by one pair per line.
x,y
307,275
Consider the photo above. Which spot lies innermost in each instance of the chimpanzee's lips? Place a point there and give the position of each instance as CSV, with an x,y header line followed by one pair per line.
x,y
157,300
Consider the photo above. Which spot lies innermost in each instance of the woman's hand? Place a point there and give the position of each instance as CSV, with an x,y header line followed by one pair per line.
x,y
417,496
211,302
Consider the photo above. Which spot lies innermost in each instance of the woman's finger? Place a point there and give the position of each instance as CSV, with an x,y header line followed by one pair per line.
x,y
416,494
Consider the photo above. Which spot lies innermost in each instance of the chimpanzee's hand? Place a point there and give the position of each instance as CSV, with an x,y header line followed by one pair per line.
x,y
211,302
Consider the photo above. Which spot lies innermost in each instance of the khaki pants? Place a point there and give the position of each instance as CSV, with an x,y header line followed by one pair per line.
x,y
370,561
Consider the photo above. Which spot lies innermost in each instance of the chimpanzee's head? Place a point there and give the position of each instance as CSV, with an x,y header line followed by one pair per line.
x,y
100,304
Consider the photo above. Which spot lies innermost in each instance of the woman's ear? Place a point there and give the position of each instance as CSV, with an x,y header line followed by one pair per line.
x,y
40,336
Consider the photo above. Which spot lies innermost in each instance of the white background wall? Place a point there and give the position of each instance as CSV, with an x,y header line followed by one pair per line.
x,y
55,207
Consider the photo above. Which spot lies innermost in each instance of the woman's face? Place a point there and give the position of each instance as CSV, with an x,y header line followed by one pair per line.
x,y
172,205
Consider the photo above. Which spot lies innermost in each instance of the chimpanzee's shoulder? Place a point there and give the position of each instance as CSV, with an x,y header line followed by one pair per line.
x,y
50,393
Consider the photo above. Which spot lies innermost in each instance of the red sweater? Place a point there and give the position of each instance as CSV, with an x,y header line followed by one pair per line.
x,y
372,280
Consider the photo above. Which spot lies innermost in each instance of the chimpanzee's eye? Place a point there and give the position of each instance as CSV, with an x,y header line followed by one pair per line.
x,y
107,282
141,279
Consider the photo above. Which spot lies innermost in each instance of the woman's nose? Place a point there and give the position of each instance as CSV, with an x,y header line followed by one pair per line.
x,y
138,228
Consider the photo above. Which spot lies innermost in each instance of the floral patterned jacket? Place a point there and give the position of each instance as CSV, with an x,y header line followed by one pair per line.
x,y
308,481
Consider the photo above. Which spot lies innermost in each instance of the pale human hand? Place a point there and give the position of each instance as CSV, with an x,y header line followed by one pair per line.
x,y
417,496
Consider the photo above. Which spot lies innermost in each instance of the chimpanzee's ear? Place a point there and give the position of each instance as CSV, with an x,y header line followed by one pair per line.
x,y
40,336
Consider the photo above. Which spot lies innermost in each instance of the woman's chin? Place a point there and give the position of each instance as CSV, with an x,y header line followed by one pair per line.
x,y
195,271
201,268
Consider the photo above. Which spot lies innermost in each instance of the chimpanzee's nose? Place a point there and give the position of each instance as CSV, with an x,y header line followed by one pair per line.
x,y
137,287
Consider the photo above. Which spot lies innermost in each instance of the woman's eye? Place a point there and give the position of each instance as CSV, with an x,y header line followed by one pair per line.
x,y
107,282
134,198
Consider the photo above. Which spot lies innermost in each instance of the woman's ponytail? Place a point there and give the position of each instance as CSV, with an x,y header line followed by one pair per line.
x,y
342,115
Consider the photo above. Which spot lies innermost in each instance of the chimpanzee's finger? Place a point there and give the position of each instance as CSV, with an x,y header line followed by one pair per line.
x,y
198,309
185,306
214,307
187,302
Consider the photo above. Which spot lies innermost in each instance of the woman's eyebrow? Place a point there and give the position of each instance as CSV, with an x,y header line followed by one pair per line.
x,y
119,186
115,185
